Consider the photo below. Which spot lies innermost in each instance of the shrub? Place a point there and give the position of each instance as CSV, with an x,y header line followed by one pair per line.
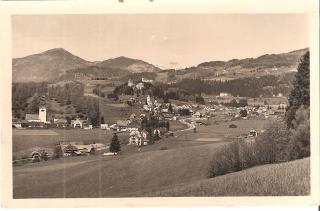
x,y
58,153
225,160
272,145
233,126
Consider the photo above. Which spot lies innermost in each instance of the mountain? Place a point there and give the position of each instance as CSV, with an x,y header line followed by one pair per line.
x,y
59,64
45,66
56,64
132,65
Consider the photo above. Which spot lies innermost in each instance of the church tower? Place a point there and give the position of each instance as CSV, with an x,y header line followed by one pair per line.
x,y
42,114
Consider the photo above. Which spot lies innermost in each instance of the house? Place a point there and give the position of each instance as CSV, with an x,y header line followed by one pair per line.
x,y
139,138
224,94
130,83
140,86
122,125
78,123
104,126
134,125
146,80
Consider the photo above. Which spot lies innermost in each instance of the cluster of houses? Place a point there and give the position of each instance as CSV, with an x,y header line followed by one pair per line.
x,y
40,120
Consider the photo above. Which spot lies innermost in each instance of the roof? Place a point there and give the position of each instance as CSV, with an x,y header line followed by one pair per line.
x,y
60,121
122,123
132,116
32,117
78,120
134,124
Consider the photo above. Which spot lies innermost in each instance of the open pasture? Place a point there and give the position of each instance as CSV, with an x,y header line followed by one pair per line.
x,y
45,139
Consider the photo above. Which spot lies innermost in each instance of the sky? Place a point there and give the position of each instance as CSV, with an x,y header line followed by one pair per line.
x,y
166,40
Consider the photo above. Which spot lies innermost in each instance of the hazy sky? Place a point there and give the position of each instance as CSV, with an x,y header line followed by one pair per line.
x,y
166,40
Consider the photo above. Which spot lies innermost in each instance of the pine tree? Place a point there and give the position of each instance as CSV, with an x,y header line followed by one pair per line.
x,y
115,144
300,95
170,108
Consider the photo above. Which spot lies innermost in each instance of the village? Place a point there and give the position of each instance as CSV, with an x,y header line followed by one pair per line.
x,y
154,120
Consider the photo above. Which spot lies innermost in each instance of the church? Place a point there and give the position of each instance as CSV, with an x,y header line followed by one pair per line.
x,y
40,117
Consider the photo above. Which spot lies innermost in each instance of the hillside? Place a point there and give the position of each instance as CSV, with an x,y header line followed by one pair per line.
x,y
59,64
45,66
174,172
112,176
286,179
131,65
268,64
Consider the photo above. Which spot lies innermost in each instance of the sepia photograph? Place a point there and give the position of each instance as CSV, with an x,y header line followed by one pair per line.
x,y
160,105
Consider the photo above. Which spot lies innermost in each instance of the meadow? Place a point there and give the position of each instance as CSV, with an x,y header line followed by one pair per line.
x,y
173,172
284,179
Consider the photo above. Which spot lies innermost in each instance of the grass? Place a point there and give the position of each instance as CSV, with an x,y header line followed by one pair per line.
x,y
111,176
24,140
285,179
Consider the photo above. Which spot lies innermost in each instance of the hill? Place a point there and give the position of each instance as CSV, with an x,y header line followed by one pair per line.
x,y
59,64
131,65
268,64
45,66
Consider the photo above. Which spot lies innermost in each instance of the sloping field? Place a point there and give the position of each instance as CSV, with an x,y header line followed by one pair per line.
x,y
112,176
175,172
286,179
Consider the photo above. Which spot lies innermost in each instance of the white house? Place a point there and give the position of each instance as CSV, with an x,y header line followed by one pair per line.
x,y
146,80
78,123
104,126
138,138
224,94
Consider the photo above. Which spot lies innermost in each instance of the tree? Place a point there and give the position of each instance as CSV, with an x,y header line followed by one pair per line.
x,y
243,113
115,144
168,125
102,120
300,95
58,153
170,108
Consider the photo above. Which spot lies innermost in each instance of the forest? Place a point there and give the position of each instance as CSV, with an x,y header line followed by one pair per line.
x,y
243,87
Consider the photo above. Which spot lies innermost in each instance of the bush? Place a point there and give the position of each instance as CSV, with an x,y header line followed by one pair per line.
x,y
273,145
225,160
233,126
300,134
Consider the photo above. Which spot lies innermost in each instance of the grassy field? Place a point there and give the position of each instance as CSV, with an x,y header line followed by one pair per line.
x,y
24,140
220,129
173,172
285,179
99,176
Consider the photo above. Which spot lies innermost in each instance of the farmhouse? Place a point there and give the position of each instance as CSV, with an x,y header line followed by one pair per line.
x,y
78,123
224,94
139,138
122,125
